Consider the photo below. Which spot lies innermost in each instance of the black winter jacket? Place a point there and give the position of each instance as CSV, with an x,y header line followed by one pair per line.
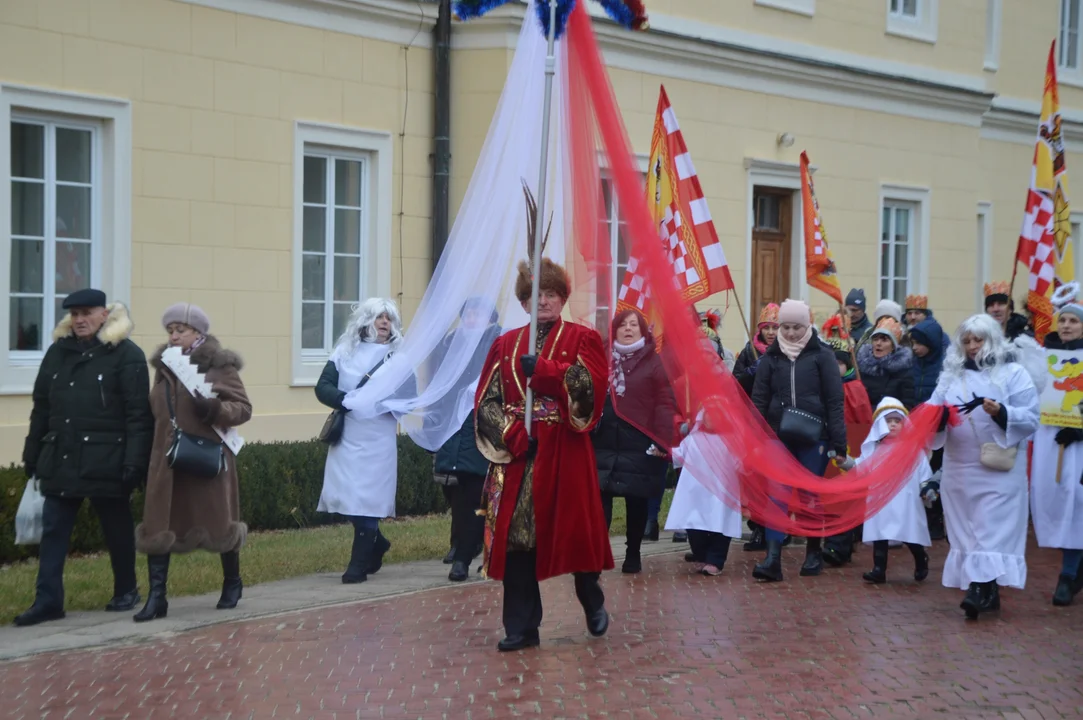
x,y
811,383
889,376
744,370
460,454
620,449
91,419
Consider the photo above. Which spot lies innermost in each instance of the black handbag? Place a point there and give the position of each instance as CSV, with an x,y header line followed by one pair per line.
x,y
191,454
800,427
331,432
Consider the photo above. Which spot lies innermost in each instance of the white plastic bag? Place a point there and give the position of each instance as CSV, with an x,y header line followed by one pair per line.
x,y
28,524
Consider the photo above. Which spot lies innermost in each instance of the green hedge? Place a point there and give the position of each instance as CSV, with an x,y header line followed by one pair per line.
x,y
280,488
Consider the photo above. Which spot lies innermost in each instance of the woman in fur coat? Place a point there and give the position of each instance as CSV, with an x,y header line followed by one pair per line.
x,y
886,366
182,513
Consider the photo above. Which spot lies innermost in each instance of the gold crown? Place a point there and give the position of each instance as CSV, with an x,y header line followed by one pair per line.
x,y
917,302
998,287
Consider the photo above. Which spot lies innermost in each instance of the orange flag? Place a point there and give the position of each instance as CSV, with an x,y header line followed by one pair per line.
x,y
819,265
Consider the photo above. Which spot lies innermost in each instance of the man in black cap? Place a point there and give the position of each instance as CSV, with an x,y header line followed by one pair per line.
x,y
90,436
859,321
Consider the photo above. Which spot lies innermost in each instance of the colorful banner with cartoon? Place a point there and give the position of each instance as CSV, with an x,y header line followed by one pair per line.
x,y
1059,402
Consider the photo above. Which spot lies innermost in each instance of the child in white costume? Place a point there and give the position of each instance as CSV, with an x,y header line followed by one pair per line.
x,y
903,519
710,522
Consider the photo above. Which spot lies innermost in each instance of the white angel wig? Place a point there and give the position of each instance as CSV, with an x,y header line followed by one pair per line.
x,y
362,324
994,352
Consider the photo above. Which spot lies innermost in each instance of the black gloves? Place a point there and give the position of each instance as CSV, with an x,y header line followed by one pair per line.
x,y
532,447
1068,436
969,407
944,417
133,477
30,470
528,363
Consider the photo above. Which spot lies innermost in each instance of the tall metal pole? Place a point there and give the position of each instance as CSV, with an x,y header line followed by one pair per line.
x,y
539,221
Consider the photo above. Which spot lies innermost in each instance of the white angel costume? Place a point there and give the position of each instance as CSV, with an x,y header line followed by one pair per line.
x,y
903,519
694,506
361,474
986,509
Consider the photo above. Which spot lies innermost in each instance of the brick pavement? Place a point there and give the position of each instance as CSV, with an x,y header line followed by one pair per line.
x,y
679,645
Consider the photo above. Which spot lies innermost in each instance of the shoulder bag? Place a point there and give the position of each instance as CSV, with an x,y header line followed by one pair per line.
x,y
992,455
799,427
191,454
331,432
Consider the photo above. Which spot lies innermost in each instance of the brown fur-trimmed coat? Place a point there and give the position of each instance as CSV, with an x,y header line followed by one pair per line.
x,y
184,513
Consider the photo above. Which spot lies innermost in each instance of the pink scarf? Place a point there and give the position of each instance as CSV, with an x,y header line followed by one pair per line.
x,y
793,349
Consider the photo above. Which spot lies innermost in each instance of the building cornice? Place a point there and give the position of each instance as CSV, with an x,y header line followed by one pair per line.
x,y
404,22
1016,121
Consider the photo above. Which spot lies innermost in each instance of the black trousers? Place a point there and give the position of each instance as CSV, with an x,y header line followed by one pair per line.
x,y
467,526
709,547
58,521
636,514
450,493
522,594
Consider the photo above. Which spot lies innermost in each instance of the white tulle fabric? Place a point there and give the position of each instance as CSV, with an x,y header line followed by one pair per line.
x,y
479,262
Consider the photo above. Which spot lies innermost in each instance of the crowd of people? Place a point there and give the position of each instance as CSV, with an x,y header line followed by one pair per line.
x,y
603,425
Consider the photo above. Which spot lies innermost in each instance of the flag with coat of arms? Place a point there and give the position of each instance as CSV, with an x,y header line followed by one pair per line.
x,y
684,222
1045,241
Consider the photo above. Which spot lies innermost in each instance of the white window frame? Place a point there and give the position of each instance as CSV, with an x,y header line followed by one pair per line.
x,y
919,199
111,270
984,251
377,150
922,27
613,225
800,7
994,13
1067,74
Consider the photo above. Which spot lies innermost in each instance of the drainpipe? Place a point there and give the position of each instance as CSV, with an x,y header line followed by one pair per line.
x,y
441,161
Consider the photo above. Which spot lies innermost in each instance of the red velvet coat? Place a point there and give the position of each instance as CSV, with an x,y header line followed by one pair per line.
x,y
569,526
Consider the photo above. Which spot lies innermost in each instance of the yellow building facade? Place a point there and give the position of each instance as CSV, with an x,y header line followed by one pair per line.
x,y
270,160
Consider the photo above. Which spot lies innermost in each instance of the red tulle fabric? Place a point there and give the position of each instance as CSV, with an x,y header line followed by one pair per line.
x,y
744,463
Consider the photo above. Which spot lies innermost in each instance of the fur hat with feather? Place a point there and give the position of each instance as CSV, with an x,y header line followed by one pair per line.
x,y
553,277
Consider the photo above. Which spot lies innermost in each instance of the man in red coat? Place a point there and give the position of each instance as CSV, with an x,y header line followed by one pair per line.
x,y
543,508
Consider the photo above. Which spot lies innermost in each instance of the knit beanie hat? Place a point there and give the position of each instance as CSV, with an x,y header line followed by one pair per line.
x,y
188,314
856,298
888,308
794,311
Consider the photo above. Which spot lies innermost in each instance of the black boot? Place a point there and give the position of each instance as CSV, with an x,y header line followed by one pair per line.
x,y
124,602
651,532
157,605
756,542
972,603
878,574
231,580
378,552
459,571
770,570
364,541
679,536
450,557
921,561
38,614
838,549
990,600
814,562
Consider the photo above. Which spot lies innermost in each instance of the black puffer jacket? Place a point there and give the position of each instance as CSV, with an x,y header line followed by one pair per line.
x,y
620,448
460,454
744,370
1017,325
889,376
811,383
91,418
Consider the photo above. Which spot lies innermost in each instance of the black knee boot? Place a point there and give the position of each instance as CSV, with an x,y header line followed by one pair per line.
x,y
814,562
921,561
878,574
378,551
231,580
770,570
364,542
157,606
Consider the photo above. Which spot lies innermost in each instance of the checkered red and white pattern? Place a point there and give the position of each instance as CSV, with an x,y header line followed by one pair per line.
x,y
1037,242
705,254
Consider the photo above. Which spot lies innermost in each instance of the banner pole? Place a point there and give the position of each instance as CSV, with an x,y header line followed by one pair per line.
x,y
539,220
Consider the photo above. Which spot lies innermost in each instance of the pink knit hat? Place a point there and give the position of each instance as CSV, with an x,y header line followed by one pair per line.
x,y
794,311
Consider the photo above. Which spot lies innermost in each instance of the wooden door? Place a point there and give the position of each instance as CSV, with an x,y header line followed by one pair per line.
x,y
772,220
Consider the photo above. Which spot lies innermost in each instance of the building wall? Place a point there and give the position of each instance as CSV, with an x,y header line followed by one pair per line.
x,y
216,93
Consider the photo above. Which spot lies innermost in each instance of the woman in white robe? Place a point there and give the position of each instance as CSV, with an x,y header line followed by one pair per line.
x,y
361,474
903,518
1056,503
984,488
709,521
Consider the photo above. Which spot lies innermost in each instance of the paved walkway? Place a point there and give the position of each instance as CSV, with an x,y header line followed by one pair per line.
x,y
680,645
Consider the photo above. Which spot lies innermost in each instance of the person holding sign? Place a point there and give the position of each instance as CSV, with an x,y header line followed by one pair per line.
x,y
1056,494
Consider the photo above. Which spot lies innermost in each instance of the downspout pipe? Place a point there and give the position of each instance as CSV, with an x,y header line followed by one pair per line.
x,y
441,161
